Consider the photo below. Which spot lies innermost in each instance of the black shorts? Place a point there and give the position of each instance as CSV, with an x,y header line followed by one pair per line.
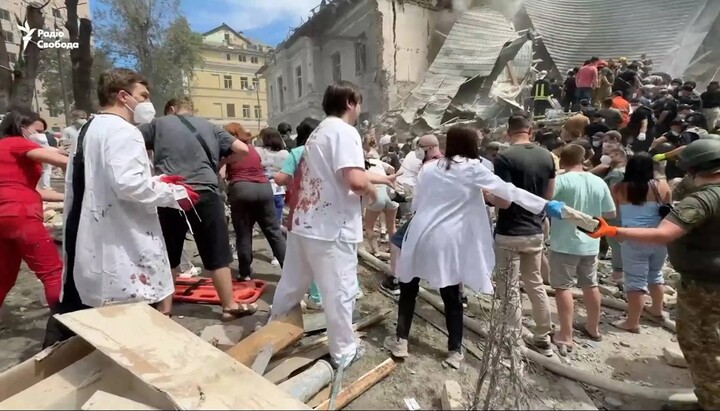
x,y
210,231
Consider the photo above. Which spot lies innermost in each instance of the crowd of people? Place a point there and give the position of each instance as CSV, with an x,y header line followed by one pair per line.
x,y
474,215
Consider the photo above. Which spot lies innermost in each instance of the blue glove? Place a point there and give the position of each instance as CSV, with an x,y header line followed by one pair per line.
x,y
554,209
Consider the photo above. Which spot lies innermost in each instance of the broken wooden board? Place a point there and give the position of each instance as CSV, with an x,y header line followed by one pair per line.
x,y
362,384
167,357
105,401
314,322
41,366
282,332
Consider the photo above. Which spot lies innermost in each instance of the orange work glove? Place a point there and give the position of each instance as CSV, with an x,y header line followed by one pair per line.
x,y
603,229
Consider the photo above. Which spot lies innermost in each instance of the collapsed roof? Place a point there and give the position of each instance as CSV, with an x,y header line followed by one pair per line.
x,y
476,75
670,32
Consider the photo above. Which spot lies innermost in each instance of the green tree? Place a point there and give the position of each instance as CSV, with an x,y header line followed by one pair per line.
x,y
152,37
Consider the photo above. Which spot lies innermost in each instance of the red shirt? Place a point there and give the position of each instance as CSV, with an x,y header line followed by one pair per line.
x,y
586,76
19,176
248,169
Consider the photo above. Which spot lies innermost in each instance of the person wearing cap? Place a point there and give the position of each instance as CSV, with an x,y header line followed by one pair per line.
x,y
687,95
541,95
597,125
711,103
628,81
691,232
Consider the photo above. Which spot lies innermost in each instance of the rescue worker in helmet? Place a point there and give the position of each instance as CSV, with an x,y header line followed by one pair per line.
x,y
692,233
541,94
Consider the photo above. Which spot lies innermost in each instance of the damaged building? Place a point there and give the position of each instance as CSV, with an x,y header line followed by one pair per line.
x,y
381,45
423,65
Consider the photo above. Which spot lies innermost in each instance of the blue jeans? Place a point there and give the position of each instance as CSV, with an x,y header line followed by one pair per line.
x,y
583,93
279,205
642,265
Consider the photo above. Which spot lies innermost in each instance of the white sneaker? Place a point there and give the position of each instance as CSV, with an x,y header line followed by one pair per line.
x,y
454,359
308,304
275,262
359,353
191,273
398,347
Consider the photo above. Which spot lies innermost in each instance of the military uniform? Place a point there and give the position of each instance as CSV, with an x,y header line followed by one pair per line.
x,y
696,256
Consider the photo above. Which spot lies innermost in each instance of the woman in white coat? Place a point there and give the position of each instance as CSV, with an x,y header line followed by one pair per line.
x,y
449,240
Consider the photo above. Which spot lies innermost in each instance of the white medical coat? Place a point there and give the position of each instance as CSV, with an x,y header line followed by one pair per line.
x,y
449,240
120,254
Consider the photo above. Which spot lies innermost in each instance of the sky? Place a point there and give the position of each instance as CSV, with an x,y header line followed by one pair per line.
x,y
267,21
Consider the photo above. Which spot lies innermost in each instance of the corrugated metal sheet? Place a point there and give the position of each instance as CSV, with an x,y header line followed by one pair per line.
x,y
470,50
668,31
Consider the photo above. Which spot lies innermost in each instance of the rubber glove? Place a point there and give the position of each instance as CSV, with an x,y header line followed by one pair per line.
x,y
554,209
659,157
603,229
171,179
193,197
641,137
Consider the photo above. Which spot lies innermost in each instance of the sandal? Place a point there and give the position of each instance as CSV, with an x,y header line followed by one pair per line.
x,y
582,328
618,324
243,310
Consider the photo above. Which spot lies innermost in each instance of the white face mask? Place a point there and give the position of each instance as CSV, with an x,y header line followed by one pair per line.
x,y
605,159
144,112
597,143
80,122
420,153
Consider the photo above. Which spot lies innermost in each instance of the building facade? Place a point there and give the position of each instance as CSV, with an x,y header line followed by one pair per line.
x,y
226,88
55,17
383,46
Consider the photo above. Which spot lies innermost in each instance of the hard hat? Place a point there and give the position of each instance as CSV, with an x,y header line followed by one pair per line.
x,y
701,155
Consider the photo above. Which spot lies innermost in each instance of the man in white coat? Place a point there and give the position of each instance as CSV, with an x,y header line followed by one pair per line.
x,y
325,221
113,245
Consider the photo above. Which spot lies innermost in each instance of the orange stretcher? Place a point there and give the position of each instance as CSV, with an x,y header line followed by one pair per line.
x,y
202,291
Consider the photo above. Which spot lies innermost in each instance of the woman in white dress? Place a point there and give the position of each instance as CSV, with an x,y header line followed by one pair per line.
x,y
449,241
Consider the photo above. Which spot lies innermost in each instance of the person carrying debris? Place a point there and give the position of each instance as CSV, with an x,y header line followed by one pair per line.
x,y
448,242
692,233
325,220
113,244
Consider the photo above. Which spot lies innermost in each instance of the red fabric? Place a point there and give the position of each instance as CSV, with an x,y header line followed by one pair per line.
x,y
18,175
24,237
586,76
248,169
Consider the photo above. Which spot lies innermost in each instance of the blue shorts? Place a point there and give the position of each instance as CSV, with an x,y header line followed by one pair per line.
x,y
397,238
642,265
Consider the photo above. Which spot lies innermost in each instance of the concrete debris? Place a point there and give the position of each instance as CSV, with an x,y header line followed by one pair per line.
x,y
478,75
223,336
451,397
674,356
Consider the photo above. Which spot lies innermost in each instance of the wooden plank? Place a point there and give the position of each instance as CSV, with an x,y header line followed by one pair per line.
x,y
367,380
167,357
282,332
105,401
46,363
69,388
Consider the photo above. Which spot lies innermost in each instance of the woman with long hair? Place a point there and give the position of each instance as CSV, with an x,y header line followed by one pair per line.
x,y
23,236
272,155
449,240
251,202
641,199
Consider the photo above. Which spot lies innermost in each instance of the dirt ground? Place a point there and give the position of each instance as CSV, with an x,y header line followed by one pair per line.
x,y
622,356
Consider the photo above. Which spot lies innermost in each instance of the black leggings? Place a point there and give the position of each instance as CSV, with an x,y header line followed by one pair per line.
x,y
452,298
252,203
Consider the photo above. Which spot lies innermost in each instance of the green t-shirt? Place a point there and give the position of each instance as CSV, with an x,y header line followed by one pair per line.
x,y
584,192
291,162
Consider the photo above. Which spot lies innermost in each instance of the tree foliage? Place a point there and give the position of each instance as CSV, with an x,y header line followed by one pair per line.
x,y
152,37
55,72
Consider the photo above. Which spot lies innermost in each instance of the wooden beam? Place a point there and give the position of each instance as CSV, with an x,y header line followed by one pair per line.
x,y
102,400
282,332
364,383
